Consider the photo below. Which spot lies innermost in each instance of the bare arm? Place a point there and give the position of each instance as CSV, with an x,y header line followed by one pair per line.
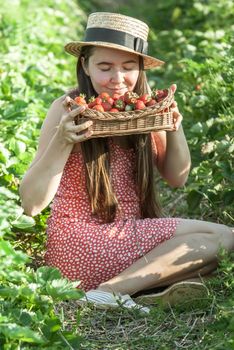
x,y
173,161
173,156
58,136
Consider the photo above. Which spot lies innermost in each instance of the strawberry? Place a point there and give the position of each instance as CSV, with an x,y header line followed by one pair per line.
x,y
104,96
80,100
98,108
113,110
115,96
98,101
145,98
129,107
110,100
90,102
106,105
198,87
121,97
94,101
139,104
119,104
163,94
130,97
159,95
152,102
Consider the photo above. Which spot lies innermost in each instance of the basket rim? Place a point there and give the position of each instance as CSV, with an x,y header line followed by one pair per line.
x,y
134,114
122,117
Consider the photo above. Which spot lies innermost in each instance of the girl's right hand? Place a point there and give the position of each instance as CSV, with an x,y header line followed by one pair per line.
x,y
68,130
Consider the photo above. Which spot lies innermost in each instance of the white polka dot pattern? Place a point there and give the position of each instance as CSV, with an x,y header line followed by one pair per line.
x,y
85,249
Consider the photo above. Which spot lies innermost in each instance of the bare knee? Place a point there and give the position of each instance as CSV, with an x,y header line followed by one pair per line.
x,y
225,237
213,232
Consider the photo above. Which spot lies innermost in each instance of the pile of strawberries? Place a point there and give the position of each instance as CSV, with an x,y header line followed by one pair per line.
x,y
130,101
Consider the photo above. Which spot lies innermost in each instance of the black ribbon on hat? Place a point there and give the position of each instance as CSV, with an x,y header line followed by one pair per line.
x,y
117,37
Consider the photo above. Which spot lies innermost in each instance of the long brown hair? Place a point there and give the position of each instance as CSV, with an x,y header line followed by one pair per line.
x,y
96,157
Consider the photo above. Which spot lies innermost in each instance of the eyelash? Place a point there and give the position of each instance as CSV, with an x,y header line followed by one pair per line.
x,y
106,70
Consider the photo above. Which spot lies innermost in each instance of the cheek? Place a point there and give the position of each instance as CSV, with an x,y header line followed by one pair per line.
x,y
131,77
100,79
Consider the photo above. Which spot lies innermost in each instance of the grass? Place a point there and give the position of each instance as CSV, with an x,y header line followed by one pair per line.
x,y
207,325
204,325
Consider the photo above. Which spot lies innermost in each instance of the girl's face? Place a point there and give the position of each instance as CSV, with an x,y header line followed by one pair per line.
x,y
112,71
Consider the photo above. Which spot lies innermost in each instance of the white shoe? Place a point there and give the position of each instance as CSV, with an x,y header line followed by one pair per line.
x,y
106,300
177,294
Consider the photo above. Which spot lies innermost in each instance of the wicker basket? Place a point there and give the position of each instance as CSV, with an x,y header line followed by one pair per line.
x,y
133,122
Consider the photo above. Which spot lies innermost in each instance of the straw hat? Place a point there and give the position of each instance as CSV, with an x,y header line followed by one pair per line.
x,y
116,31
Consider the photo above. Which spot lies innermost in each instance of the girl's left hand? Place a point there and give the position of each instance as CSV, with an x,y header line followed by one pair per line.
x,y
177,117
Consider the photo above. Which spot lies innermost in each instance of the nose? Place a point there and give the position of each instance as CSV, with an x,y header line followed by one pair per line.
x,y
117,76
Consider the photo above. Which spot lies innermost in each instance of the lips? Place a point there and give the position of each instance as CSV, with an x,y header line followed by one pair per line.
x,y
119,90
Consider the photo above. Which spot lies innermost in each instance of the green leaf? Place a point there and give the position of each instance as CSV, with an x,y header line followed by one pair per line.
x,y
52,325
4,154
177,12
17,146
17,257
197,129
7,193
193,199
14,331
63,289
9,292
47,273
24,222
25,318
229,197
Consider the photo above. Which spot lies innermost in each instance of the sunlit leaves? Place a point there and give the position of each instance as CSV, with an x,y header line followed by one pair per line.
x,y
34,70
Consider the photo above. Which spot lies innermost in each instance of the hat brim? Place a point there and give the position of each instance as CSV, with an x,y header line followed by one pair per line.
x,y
74,48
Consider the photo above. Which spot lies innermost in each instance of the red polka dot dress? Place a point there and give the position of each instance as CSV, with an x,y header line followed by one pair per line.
x,y
92,252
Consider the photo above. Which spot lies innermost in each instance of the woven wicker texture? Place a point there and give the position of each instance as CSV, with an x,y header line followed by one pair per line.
x,y
119,22
157,117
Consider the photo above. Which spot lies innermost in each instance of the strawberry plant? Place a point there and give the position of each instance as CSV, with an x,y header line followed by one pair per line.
x,y
27,303
195,38
31,77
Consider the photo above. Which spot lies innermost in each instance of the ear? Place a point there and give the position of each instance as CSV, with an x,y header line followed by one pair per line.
x,y
84,66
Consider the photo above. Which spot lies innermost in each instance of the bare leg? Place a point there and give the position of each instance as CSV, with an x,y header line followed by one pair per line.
x,y
198,275
191,252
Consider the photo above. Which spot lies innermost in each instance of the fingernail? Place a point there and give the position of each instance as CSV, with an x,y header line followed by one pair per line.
x,y
88,133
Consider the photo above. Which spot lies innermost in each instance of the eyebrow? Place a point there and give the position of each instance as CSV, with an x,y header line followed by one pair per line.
x,y
108,63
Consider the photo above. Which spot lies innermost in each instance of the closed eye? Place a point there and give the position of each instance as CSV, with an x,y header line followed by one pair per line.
x,y
105,69
124,68
128,68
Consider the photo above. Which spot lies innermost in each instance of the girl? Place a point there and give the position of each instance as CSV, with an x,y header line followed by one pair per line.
x,y
106,228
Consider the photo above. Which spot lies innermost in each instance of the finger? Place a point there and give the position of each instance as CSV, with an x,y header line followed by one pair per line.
x,y
174,104
71,115
178,121
173,88
66,102
73,138
80,127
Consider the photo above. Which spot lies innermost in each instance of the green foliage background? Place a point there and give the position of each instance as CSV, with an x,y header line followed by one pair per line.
x,y
195,38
